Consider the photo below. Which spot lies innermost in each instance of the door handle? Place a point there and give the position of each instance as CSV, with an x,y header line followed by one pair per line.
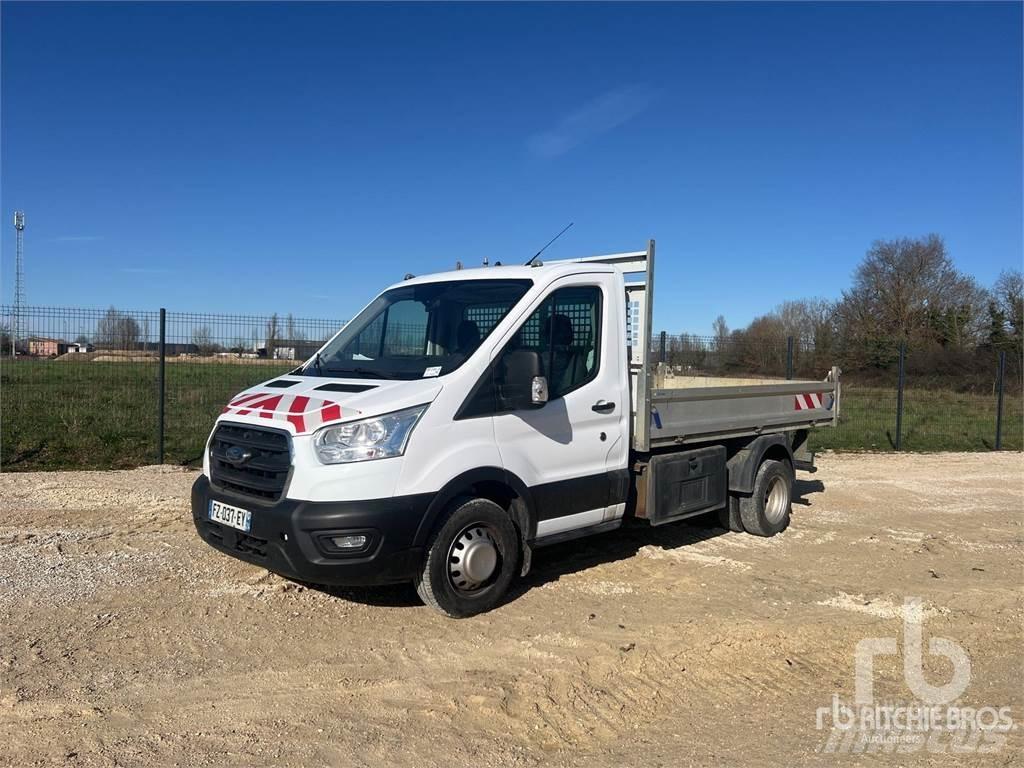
x,y
603,406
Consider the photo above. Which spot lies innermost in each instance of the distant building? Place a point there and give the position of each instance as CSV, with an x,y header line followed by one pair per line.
x,y
41,346
288,349
80,346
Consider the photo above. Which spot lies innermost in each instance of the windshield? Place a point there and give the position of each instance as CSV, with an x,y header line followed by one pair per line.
x,y
418,331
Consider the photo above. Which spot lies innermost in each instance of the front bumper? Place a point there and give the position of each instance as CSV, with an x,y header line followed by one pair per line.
x,y
288,536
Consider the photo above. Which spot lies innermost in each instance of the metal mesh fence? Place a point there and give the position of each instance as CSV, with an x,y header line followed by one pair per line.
x,y
82,390
949,401
209,358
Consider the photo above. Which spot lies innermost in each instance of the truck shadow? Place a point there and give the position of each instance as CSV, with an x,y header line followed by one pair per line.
x,y
388,596
801,488
552,563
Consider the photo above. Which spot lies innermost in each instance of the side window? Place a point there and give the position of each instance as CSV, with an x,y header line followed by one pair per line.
x,y
565,332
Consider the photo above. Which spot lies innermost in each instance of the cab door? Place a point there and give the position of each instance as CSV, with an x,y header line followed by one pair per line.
x,y
572,451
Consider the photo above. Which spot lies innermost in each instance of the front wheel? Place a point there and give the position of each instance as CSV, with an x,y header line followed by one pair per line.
x,y
471,560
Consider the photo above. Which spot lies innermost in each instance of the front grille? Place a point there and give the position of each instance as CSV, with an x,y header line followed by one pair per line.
x,y
264,474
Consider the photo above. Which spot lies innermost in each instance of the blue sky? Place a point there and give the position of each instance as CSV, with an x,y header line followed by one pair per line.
x,y
296,158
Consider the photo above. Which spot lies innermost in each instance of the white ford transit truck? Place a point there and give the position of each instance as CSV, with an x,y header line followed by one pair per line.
x,y
463,419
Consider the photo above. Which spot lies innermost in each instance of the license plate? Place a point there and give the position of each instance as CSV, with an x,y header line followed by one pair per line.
x,y
233,517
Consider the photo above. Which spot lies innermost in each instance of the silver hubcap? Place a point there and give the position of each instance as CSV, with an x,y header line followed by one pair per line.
x,y
473,558
775,500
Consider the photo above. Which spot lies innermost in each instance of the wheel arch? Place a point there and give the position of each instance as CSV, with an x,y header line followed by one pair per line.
x,y
743,464
492,483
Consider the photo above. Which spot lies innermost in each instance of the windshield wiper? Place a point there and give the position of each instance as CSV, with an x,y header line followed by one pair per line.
x,y
371,372
303,369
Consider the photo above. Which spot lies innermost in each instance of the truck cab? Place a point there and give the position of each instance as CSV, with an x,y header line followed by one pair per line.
x,y
460,420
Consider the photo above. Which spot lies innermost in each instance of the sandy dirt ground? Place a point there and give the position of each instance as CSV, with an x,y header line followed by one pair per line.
x,y
124,640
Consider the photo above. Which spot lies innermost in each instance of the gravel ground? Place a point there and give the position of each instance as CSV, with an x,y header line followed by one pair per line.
x,y
124,640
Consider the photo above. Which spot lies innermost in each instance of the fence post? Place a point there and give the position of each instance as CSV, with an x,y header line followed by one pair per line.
x,y
1001,377
161,385
789,357
899,396
662,360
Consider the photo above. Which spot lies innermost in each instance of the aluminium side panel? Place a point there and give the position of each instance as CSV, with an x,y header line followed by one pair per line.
x,y
692,415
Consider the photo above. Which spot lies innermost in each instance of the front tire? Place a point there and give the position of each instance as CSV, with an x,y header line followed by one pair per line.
x,y
471,559
766,511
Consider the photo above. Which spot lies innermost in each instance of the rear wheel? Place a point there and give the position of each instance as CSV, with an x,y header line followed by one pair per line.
x,y
471,559
766,511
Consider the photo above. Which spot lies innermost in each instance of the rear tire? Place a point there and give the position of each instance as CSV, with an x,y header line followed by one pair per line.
x,y
471,559
766,511
729,515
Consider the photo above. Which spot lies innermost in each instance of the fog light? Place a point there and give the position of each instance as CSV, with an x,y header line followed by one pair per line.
x,y
349,542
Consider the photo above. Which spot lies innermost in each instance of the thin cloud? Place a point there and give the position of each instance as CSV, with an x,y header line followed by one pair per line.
x,y
605,113
77,238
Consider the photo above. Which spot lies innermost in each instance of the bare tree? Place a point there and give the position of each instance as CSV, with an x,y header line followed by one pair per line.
x,y
202,338
909,290
273,334
721,331
905,290
1008,294
116,330
764,345
807,320
292,332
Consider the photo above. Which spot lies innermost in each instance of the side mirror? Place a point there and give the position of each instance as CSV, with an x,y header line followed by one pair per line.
x,y
524,386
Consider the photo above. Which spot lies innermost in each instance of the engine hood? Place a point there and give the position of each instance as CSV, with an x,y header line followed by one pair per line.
x,y
303,404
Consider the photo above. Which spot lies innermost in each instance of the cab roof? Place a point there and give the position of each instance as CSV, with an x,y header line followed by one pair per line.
x,y
543,272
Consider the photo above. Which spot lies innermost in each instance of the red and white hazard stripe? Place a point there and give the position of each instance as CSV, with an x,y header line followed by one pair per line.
x,y
807,402
304,413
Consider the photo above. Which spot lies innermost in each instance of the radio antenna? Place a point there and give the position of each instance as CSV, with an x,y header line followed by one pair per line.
x,y
549,242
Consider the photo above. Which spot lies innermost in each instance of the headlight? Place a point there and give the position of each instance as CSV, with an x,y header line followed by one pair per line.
x,y
378,438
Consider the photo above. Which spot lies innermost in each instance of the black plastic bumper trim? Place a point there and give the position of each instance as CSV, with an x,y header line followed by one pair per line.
x,y
283,535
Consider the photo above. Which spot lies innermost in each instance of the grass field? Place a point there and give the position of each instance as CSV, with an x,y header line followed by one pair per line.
x,y
96,415
933,420
63,415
